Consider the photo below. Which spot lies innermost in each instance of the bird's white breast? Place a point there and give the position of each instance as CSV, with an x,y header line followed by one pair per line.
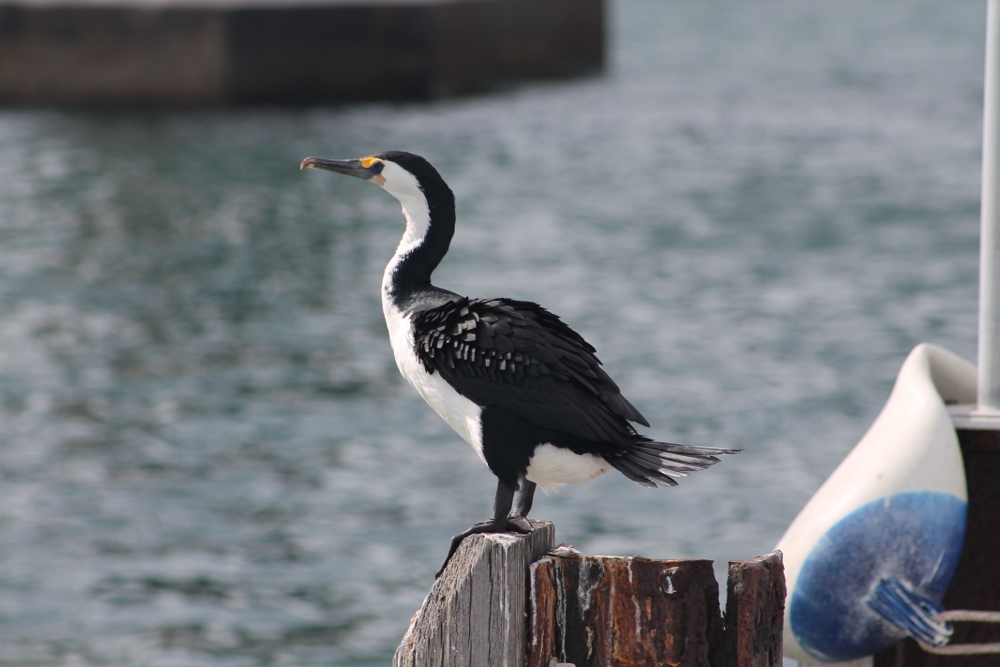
x,y
459,412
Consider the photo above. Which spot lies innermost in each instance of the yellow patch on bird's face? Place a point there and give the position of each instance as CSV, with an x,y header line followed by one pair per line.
x,y
368,163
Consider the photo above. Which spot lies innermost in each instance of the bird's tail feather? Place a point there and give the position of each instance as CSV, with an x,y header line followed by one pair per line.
x,y
654,464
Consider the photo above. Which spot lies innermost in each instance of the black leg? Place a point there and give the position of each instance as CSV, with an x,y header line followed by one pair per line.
x,y
499,523
525,496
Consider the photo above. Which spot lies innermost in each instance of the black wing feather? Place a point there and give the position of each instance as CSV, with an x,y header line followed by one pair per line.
x,y
518,356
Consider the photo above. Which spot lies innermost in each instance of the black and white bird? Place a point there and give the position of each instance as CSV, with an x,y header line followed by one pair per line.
x,y
521,387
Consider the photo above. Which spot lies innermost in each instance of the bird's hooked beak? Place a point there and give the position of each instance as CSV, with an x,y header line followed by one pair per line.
x,y
367,168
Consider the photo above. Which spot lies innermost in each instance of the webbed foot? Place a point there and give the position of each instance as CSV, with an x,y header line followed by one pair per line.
x,y
512,524
518,524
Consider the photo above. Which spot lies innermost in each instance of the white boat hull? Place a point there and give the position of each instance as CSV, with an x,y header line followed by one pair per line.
x,y
894,510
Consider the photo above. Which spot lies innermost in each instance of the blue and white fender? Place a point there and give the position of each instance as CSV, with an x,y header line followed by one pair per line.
x,y
870,556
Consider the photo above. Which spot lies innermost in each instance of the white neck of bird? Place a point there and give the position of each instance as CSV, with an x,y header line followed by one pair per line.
x,y
418,222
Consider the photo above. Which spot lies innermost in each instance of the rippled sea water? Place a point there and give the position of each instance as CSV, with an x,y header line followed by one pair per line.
x,y
207,456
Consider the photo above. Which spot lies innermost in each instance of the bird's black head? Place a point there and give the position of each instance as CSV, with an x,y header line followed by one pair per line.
x,y
404,175
422,170
428,204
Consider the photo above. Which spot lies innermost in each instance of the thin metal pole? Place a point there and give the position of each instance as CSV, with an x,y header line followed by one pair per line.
x,y
989,252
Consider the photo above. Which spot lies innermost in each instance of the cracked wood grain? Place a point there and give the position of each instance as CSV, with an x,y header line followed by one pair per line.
x,y
475,613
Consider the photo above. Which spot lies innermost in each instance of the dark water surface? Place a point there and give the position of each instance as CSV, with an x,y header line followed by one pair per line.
x,y
207,456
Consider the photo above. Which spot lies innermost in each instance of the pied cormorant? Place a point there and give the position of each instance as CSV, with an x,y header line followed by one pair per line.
x,y
525,390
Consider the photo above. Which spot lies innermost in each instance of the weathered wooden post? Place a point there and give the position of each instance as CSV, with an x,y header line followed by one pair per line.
x,y
755,612
611,610
474,613
614,611
504,602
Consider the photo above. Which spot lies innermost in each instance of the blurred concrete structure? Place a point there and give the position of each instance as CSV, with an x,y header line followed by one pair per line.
x,y
211,52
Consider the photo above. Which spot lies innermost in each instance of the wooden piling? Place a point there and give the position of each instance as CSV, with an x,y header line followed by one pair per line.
x,y
504,602
621,611
474,614
613,611
755,611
